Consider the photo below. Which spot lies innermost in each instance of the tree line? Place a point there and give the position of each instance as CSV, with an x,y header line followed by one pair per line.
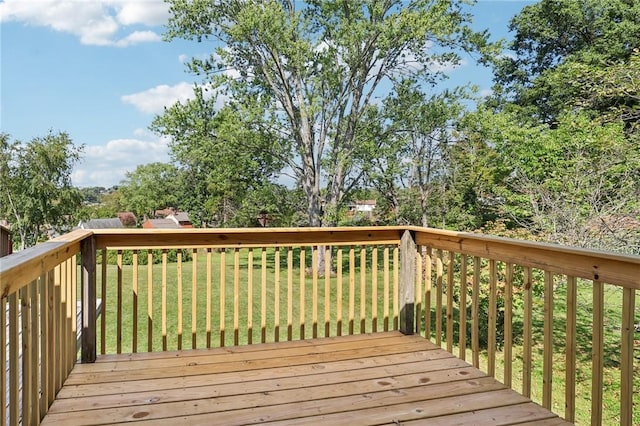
x,y
305,107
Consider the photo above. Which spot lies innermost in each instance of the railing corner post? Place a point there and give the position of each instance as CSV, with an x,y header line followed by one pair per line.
x,y
407,282
88,252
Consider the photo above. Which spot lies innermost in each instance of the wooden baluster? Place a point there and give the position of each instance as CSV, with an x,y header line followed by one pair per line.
x,y
475,311
493,305
462,330
236,296
103,299
149,301
119,305
439,280
570,351
35,314
352,288
209,295
327,291
27,354
407,295
58,327
289,294
363,289
164,300
263,296
3,360
597,353
88,351
314,290
396,288
527,338
194,298
339,292
385,300
179,288
276,295
14,357
547,363
302,291
508,324
418,291
626,358
50,338
450,286
223,286
374,289
250,296
428,291
134,306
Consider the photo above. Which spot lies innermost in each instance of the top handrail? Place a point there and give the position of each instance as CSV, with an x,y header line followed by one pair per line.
x,y
22,267
19,268
244,237
597,265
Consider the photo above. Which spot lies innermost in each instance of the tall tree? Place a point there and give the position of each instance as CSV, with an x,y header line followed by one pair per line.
x,y
574,184
610,93
318,68
552,34
412,152
220,153
36,194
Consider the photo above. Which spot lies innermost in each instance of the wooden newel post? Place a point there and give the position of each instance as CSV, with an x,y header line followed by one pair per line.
x,y
88,252
407,283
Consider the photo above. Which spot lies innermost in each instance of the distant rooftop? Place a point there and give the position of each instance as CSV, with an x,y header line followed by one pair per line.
x,y
161,224
111,223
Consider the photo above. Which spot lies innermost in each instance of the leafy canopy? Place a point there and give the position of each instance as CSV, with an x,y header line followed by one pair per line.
x,y
36,194
306,76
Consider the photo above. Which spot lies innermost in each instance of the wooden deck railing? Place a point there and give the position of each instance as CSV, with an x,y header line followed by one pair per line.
x,y
549,284
215,288
511,307
38,328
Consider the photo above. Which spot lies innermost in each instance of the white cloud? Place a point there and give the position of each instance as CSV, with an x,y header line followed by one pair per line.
x,y
106,165
96,22
138,37
150,13
153,101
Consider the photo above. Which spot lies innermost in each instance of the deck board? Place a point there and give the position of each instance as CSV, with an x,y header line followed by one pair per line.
x,y
381,378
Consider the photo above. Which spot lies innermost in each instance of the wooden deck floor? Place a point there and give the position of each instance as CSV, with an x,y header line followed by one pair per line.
x,y
382,378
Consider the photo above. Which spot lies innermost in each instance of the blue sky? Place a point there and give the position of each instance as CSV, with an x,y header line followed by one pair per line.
x,y
99,70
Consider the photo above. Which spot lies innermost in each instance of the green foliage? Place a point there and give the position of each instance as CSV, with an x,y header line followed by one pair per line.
x,y
108,204
570,181
148,188
306,78
92,195
220,155
275,203
411,147
35,186
611,91
551,37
